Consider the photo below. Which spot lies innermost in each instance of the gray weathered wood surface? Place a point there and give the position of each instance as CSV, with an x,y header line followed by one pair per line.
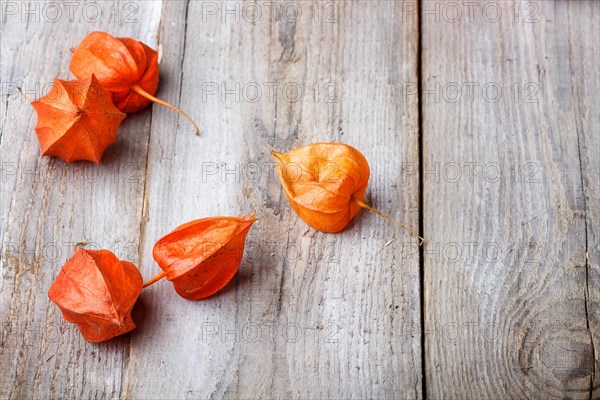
x,y
510,203
507,286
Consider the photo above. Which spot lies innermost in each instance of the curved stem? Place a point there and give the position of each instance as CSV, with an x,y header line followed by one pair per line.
x,y
368,207
143,93
157,278
24,95
79,244
276,155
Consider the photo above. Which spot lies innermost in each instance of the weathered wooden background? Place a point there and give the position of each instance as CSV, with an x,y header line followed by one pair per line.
x,y
481,123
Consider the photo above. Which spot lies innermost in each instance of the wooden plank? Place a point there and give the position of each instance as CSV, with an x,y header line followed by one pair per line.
x,y
510,187
584,62
48,205
310,315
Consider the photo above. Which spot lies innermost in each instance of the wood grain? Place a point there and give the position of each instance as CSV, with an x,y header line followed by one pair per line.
x,y
310,315
510,203
48,205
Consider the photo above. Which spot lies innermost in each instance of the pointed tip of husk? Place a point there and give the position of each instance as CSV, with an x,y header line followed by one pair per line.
x,y
276,155
25,96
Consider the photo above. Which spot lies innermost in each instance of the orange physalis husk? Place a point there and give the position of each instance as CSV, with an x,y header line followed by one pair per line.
x,y
125,67
325,183
97,291
76,120
202,256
